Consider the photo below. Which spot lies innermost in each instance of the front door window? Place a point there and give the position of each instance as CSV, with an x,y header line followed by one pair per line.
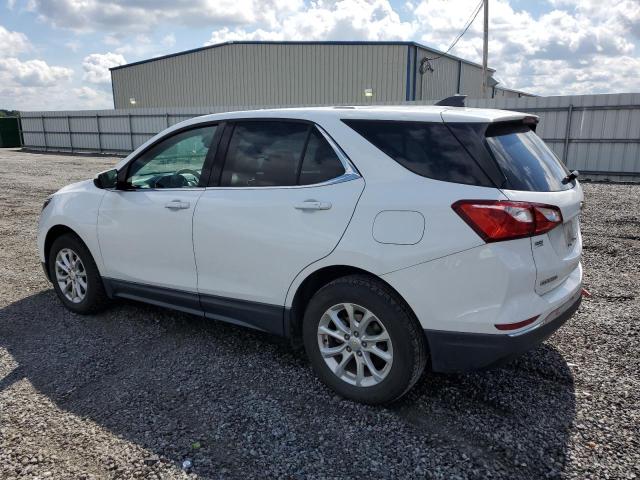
x,y
175,162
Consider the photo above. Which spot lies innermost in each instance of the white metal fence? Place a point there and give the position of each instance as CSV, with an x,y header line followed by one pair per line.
x,y
599,135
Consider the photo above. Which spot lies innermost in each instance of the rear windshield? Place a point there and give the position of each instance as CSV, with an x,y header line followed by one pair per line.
x,y
428,149
525,160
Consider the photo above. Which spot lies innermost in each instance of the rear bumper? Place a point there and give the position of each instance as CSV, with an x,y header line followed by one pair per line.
x,y
458,351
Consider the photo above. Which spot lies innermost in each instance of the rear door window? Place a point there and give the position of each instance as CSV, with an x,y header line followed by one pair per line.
x,y
267,153
526,161
264,153
428,149
320,162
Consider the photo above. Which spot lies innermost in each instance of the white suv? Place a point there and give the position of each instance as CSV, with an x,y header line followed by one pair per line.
x,y
381,238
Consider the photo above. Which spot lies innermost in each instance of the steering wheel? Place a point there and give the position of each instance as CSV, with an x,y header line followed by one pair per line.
x,y
190,171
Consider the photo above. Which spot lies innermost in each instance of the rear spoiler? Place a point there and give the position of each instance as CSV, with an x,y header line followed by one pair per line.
x,y
453,101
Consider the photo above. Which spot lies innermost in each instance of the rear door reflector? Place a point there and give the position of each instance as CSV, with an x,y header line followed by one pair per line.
x,y
517,325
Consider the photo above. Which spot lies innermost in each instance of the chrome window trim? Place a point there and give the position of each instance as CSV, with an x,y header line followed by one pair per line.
x,y
346,163
346,177
172,189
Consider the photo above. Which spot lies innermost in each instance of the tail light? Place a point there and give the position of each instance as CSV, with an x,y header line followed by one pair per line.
x,y
498,220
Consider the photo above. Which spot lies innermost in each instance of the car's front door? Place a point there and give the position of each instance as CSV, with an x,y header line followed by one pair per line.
x,y
280,199
145,230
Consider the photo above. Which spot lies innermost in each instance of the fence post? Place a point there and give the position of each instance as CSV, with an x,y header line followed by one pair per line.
x,y
44,133
98,130
166,120
567,133
69,130
20,133
130,132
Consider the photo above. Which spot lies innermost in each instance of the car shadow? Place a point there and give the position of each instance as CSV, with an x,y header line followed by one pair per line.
x,y
239,403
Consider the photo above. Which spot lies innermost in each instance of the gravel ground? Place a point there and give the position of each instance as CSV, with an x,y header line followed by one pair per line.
x,y
137,390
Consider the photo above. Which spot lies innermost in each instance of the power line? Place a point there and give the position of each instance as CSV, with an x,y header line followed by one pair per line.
x,y
466,27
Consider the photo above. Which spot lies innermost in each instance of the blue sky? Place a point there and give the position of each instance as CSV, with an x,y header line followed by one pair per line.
x,y
56,53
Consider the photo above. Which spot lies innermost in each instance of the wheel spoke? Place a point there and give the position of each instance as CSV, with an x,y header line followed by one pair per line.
x,y
62,266
62,275
379,353
366,320
381,337
359,371
333,333
332,351
338,322
346,357
374,371
82,282
65,260
351,315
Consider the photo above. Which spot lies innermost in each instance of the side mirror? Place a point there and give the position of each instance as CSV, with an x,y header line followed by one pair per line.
x,y
107,179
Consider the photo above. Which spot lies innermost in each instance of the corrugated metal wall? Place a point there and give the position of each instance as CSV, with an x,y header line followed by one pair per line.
x,y
599,135
104,131
277,74
471,81
499,92
439,81
603,139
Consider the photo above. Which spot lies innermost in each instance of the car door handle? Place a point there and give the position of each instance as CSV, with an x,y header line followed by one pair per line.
x,y
177,205
312,205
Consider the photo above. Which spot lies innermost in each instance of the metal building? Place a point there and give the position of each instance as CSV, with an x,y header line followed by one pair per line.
x,y
502,92
295,73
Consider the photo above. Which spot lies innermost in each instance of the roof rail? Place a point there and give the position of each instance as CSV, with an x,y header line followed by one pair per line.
x,y
454,101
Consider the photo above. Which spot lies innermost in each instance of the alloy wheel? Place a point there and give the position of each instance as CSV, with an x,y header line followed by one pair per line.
x,y
71,275
355,344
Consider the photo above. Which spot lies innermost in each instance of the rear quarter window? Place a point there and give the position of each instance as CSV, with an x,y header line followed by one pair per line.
x,y
428,149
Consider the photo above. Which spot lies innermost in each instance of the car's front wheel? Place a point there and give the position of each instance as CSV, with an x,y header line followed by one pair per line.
x,y
363,341
75,276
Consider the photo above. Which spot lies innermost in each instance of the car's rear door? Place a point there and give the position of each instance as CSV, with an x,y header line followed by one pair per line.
x,y
281,196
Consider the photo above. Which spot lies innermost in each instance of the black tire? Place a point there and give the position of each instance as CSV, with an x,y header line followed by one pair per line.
x,y
95,298
410,351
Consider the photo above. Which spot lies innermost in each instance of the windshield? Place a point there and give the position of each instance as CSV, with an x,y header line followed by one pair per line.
x,y
526,161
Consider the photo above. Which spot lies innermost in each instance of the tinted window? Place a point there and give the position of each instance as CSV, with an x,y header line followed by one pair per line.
x,y
525,160
428,149
173,163
320,162
264,153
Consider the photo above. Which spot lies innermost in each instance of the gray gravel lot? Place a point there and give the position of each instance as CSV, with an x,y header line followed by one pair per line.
x,y
136,390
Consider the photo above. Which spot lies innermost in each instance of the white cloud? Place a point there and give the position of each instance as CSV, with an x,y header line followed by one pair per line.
x,y
93,99
13,43
96,66
136,15
31,73
73,45
342,20
169,40
58,97
562,51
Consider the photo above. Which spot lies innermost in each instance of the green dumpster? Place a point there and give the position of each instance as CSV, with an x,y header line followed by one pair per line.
x,y
9,132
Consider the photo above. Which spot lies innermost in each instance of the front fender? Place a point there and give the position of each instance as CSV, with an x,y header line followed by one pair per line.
x,y
76,208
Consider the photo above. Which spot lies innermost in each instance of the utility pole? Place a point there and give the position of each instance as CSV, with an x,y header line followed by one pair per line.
x,y
485,48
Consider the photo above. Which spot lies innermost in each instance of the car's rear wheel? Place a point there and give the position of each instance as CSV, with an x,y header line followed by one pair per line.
x,y
75,276
363,341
